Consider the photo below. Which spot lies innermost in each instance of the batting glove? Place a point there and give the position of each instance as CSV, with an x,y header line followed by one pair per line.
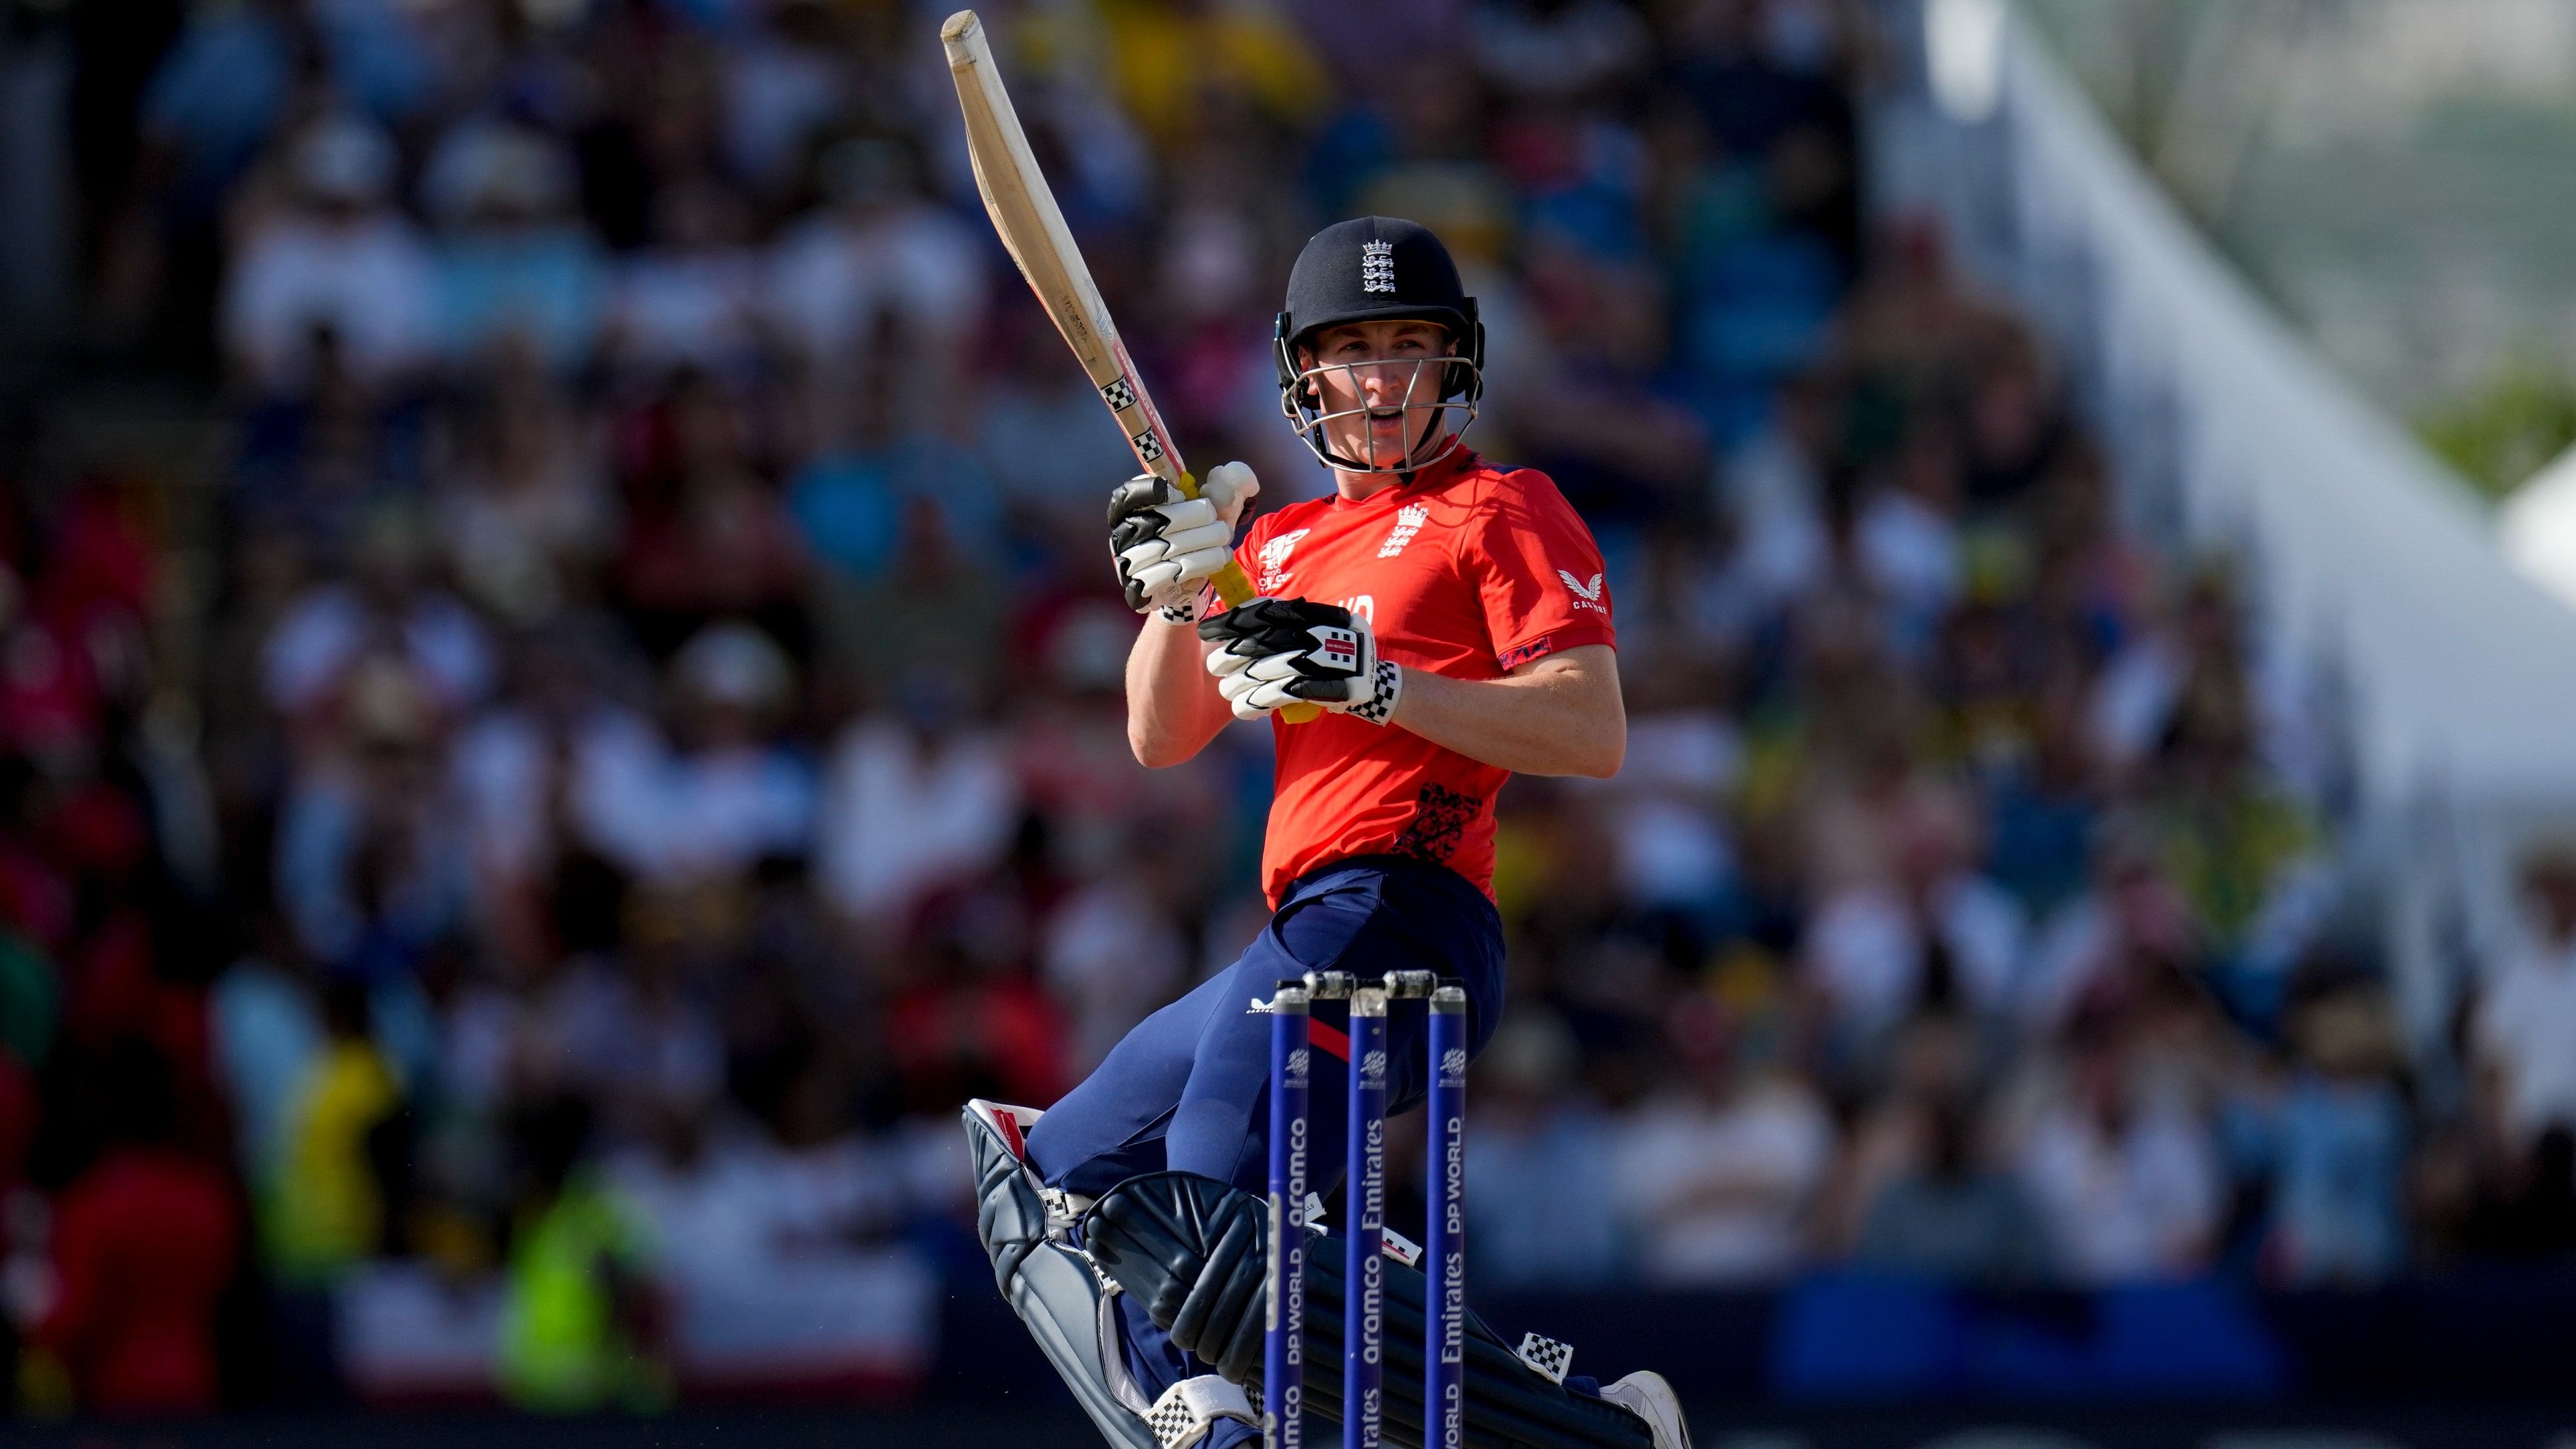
x,y
1166,546
1276,652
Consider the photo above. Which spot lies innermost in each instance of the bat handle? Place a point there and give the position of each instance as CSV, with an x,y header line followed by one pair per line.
x,y
1234,588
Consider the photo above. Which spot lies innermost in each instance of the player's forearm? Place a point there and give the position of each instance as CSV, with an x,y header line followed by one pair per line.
x,y
1560,716
1173,708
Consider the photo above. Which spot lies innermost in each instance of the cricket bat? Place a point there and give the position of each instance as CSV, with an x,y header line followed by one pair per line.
x,y
1033,230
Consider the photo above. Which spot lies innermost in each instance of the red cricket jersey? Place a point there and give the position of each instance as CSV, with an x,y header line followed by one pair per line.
x,y
1467,571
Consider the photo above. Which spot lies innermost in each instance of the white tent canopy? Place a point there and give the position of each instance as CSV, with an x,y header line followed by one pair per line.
x,y
2371,563
2537,527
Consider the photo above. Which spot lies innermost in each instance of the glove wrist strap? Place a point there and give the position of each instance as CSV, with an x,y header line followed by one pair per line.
x,y
1381,704
1186,609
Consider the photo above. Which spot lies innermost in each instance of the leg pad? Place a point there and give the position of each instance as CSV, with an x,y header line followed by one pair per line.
x,y
1049,1283
1193,1251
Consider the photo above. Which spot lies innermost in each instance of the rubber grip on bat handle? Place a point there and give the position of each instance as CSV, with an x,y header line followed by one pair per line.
x,y
1234,588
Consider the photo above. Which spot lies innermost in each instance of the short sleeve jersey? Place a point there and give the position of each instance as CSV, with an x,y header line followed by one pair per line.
x,y
1468,571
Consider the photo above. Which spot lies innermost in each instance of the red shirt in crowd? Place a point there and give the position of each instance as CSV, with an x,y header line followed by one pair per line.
x,y
144,1243
1467,571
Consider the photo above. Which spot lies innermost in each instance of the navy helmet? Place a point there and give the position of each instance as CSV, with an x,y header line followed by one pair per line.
x,y
1375,269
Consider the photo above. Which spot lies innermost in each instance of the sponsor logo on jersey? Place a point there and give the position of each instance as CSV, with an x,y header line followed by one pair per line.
x,y
1586,595
1377,266
1274,560
1408,522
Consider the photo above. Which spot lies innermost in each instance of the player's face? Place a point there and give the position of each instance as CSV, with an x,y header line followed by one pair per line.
x,y
1379,383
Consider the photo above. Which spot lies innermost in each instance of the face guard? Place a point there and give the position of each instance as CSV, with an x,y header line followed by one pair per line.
x,y
1425,400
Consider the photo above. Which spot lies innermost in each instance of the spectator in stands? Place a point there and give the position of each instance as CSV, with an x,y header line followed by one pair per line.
x,y
920,797
1540,1165
330,1209
264,1030
1719,1173
2093,582
146,1240
786,78
963,1018
692,298
2125,1177
2482,1193
2046,808
931,615
2014,427
2130,917
1931,930
513,264
1112,952
1873,807
584,1328
729,791
1931,1058
881,260
1905,541
636,1031
695,1180
1666,808
850,499
1182,69
516,771
706,537
2526,1011
1554,53
2338,1146
1954,1217
1623,452
371,864
337,260
388,610
2242,849
223,84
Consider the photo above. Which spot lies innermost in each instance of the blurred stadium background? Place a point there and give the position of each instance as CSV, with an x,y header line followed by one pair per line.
x,y
518,827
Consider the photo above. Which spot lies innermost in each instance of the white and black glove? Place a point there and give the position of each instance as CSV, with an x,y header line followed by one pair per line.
x,y
1279,651
1168,547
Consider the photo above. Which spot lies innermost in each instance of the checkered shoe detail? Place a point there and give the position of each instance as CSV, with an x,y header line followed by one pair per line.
x,y
1547,1357
1182,1415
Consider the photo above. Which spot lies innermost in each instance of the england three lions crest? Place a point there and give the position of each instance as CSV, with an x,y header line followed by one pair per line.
x,y
1408,521
1377,267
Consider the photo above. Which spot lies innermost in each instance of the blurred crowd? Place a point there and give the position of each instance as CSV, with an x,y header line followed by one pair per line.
x,y
635,737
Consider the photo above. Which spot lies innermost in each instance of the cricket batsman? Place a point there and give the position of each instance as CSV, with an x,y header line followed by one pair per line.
x,y
1451,618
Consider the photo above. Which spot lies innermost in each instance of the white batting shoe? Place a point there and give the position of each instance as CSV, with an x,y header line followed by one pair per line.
x,y
1646,1395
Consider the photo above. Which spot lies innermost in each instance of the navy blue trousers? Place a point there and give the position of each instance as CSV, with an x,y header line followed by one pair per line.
x,y
1189,1089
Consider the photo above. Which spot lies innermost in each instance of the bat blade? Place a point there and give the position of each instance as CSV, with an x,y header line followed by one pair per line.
x,y
1024,212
